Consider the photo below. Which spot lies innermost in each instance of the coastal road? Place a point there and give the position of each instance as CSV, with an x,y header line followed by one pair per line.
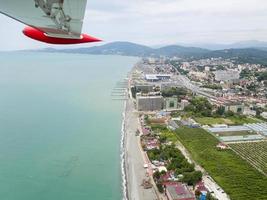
x,y
135,171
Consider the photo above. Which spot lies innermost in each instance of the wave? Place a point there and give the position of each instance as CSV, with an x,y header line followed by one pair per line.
x,y
123,157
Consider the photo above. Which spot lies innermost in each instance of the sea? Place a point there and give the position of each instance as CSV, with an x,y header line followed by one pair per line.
x,y
60,130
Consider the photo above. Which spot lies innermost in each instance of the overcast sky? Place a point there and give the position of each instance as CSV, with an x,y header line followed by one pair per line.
x,y
156,22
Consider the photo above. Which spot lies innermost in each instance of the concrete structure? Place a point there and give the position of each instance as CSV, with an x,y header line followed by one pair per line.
x,y
149,103
171,103
229,129
198,75
235,107
157,77
178,191
248,111
264,115
184,103
258,127
226,75
241,138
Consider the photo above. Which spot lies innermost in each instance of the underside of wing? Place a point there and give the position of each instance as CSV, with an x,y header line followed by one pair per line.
x,y
56,18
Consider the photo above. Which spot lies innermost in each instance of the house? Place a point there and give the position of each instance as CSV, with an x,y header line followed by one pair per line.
x,y
178,191
264,115
200,186
184,103
236,107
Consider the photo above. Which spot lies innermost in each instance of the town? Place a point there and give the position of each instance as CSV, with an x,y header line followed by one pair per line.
x,y
201,123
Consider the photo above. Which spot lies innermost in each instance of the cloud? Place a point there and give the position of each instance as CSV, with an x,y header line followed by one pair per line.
x,y
171,21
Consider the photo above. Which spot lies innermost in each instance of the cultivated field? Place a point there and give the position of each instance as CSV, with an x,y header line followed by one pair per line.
x,y
235,120
254,152
236,176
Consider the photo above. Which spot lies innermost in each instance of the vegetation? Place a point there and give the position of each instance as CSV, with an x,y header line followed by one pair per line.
x,y
212,86
200,106
236,176
262,76
134,91
246,73
240,119
167,136
234,119
176,162
255,153
212,120
174,91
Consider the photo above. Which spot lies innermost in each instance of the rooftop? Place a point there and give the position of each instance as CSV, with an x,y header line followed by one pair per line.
x,y
178,191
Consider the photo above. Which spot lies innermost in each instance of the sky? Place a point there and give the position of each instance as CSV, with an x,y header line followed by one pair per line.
x,y
160,22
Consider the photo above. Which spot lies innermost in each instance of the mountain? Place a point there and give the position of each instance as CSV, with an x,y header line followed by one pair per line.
x,y
238,45
248,55
241,55
175,50
132,49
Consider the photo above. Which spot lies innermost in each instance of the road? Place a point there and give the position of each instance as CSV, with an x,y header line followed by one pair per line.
x,y
210,184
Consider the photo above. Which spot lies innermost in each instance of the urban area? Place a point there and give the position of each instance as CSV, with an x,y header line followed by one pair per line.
x,y
201,129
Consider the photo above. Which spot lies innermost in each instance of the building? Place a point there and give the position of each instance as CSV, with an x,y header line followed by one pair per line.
x,y
226,75
178,191
198,75
235,107
149,103
264,115
250,112
171,103
157,77
184,103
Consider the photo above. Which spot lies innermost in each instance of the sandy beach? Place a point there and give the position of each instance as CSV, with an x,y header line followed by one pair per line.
x,y
134,160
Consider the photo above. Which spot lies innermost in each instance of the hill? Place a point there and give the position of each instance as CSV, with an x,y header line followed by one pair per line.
x,y
249,55
132,49
241,55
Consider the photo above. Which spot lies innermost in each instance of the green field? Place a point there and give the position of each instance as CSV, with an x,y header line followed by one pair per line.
x,y
254,152
235,120
212,120
238,178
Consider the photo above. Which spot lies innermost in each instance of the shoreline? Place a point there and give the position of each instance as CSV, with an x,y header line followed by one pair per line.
x,y
133,171
125,195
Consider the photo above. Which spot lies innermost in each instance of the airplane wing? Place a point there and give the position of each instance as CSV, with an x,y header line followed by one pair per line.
x,y
56,18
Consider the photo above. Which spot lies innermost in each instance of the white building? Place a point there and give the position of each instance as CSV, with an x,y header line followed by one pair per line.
x,y
184,103
226,75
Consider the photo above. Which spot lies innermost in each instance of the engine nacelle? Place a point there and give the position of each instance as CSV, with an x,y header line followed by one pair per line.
x,y
36,34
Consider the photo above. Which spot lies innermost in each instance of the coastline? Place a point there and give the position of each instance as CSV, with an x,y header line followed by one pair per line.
x,y
133,160
123,157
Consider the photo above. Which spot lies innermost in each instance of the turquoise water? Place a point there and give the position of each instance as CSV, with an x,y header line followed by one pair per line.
x,y
59,128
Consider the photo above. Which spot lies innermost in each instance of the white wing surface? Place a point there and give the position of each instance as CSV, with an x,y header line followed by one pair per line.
x,y
57,18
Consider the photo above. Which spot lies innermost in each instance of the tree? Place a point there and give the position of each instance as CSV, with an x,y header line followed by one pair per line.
x,y
160,187
174,91
220,111
156,175
191,178
229,113
210,197
200,106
